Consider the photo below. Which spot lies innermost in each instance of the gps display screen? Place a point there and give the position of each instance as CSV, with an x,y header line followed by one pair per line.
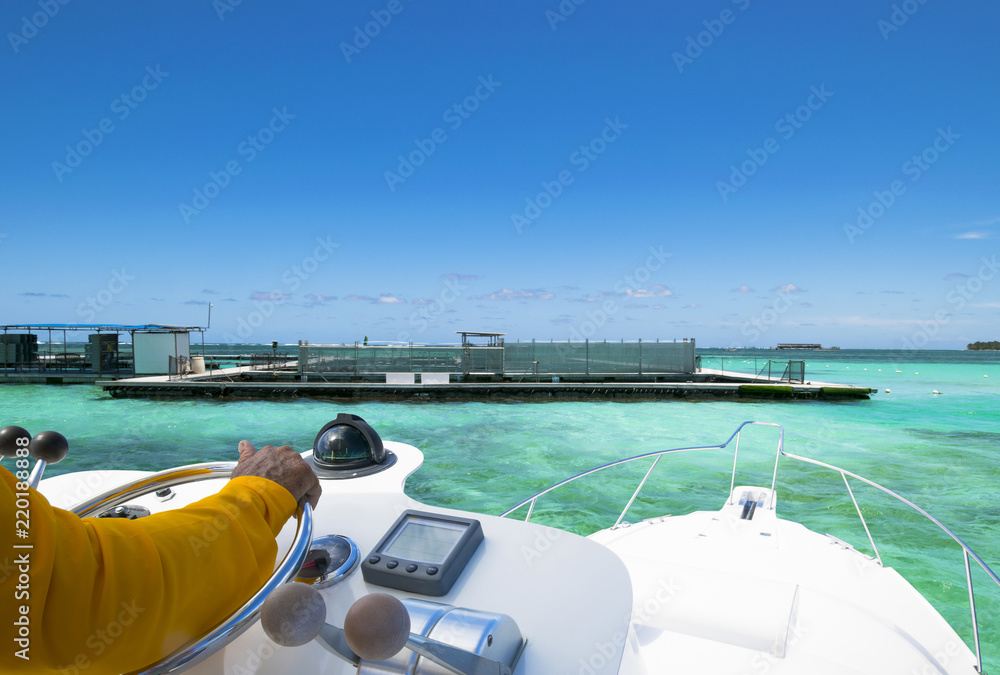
x,y
423,540
423,552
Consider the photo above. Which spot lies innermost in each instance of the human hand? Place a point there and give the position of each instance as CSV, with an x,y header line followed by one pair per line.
x,y
282,465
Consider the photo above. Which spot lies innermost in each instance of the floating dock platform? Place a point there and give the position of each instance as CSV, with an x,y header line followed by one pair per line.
x,y
492,370
278,383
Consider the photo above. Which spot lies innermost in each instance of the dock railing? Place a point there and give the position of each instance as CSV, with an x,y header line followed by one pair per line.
x,y
771,370
968,554
512,360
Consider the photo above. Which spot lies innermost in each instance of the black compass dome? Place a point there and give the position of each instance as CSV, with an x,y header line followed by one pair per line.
x,y
348,447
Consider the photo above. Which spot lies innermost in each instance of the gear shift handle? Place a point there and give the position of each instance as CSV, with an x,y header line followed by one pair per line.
x,y
48,447
376,628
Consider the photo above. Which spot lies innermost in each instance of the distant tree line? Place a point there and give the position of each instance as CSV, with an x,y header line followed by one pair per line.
x,y
995,344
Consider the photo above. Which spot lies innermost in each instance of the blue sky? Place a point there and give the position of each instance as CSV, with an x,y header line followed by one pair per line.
x,y
740,172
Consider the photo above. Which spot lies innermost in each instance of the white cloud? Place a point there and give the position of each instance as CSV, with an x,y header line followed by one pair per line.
x,y
654,291
524,294
384,299
273,297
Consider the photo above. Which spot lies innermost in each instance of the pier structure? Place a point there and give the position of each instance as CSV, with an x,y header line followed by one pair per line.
x,y
498,370
151,349
499,361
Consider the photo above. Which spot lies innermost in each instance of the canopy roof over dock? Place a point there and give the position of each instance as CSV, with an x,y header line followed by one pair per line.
x,y
492,339
103,327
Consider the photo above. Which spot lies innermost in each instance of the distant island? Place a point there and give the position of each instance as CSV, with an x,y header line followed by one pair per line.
x,y
981,346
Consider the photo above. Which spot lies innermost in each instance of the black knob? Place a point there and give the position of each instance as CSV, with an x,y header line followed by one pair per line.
x,y
8,440
51,446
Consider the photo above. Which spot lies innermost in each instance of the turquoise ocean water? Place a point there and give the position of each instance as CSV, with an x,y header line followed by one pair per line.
x,y
939,450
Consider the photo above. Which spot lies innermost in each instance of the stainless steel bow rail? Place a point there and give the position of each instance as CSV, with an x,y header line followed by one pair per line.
x,y
655,456
968,553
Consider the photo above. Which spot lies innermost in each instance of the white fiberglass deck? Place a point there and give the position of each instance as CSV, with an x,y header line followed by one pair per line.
x,y
716,594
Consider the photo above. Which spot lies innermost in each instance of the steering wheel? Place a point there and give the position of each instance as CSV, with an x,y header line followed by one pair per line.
x,y
232,627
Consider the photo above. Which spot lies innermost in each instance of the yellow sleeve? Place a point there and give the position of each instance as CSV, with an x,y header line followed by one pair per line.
x,y
110,595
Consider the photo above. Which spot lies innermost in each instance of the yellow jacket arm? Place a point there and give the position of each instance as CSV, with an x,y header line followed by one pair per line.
x,y
112,595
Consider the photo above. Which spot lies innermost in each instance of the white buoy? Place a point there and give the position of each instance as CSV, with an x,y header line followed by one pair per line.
x,y
899,371
880,370
985,375
888,391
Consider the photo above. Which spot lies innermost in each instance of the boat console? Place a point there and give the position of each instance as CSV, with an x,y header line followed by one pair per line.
x,y
442,591
480,594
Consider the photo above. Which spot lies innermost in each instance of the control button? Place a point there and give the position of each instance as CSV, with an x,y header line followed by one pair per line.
x,y
432,571
374,560
411,568
392,564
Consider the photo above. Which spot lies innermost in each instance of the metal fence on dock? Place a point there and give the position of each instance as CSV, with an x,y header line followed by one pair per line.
x,y
512,360
368,359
